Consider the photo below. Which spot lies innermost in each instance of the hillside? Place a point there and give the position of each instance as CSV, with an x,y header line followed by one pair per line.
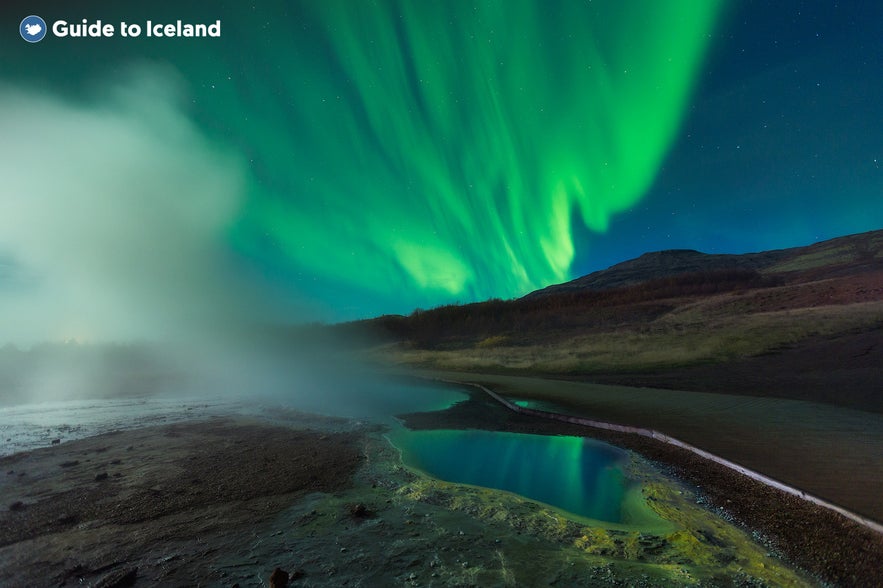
x,y
663,264
805,322
849,254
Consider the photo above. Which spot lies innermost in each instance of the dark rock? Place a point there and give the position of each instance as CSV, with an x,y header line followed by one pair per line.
x,y
68,519
69,464
279,579
17,505
359,511
56,441
119,579
101,476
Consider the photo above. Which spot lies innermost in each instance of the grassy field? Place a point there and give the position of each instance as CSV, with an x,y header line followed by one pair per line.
x,y
694,333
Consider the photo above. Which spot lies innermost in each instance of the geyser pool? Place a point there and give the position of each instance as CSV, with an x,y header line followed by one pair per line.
x,y
581,476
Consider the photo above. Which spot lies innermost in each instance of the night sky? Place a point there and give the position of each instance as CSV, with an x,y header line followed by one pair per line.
x,y
340,159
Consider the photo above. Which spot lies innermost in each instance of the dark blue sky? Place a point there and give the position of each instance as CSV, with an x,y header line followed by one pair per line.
x,y
783,145
349,195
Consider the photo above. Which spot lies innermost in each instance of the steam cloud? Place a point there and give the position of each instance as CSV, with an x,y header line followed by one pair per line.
x,y
111,215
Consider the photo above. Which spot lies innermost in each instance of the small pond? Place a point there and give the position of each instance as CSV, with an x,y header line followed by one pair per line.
x,y
581,476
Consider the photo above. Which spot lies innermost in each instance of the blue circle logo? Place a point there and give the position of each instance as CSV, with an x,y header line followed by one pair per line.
x,y
32,29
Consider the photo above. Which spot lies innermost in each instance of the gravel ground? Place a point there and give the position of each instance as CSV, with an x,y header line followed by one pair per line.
x,y
825,544
225,501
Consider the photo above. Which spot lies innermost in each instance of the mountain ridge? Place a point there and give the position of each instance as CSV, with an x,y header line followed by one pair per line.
x,y
839,251
802,323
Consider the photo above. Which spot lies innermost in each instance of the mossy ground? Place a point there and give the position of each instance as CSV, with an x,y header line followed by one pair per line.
x,y
410,530
427,532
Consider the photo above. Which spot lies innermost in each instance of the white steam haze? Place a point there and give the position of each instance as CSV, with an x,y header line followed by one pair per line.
x,y
113,220
112,214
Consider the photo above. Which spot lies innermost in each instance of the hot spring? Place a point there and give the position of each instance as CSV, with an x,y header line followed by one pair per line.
x,y
581,476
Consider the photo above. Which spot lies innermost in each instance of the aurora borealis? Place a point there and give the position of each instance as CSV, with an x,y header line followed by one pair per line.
x,y
444,148
375,157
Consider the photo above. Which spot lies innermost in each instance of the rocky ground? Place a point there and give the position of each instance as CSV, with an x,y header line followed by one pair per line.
x,y
160,504
225,501
824,544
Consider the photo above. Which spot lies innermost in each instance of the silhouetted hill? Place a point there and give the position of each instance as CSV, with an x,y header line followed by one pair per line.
x,y
842,255
662,264
799,323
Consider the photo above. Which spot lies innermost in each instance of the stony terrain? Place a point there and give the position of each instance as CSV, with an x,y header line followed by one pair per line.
x,y
224,502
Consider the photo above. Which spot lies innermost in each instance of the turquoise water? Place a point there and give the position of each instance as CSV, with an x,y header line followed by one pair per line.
x,y
577,475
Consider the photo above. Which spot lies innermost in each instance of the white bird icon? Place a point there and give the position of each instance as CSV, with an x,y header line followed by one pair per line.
x,y
33,29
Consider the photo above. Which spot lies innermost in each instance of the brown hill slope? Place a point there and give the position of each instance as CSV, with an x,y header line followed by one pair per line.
x,y
797,323
849,254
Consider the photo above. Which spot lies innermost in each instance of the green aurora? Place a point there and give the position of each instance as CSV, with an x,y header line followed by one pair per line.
x,y
446,148
399,153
